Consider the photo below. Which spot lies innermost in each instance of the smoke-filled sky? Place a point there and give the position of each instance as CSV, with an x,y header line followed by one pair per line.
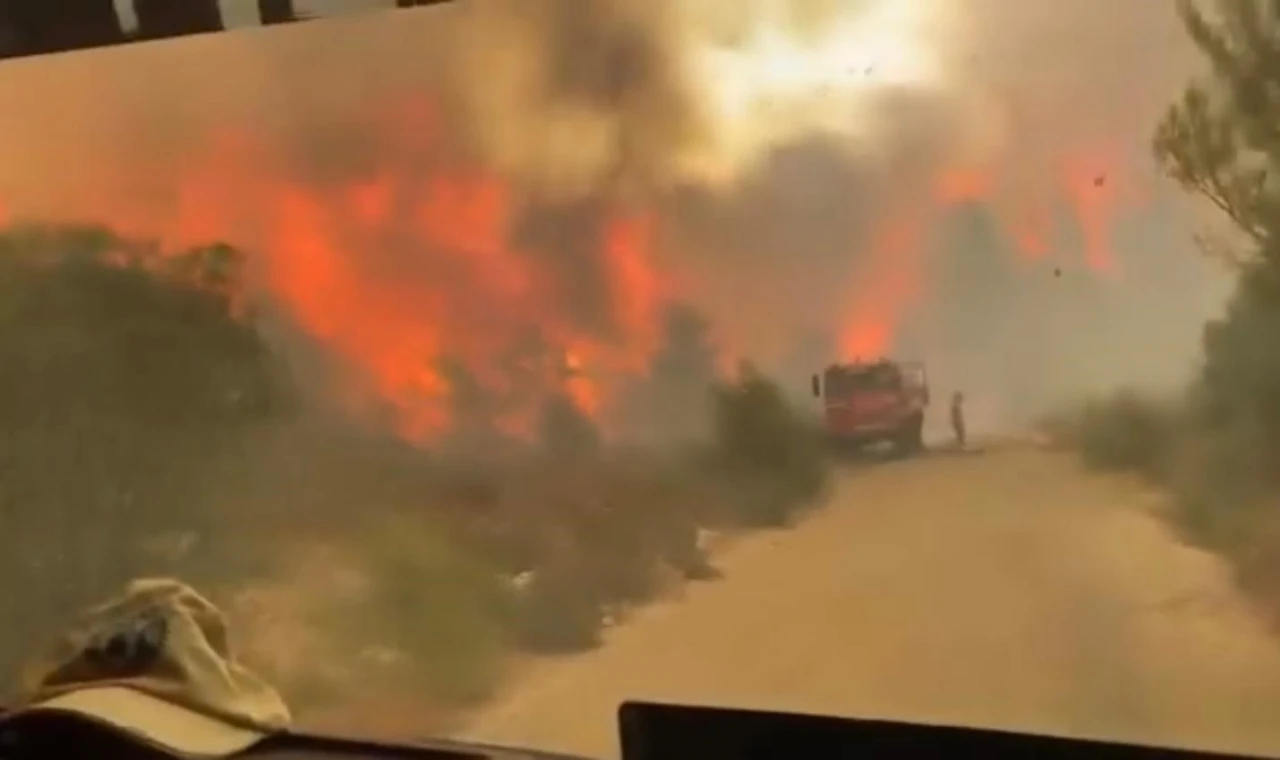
x,y
966,181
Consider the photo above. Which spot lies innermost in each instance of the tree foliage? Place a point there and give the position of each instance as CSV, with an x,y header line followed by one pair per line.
x,y
127,379
763,441
565,430
675,398
1221,140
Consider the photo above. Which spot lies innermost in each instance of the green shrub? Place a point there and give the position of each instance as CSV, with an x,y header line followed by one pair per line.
x,y
443,609
768,448
1219,479
559,611
128,385
1125,432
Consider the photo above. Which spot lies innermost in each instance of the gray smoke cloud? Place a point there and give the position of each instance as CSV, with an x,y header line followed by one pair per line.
x,y
586,105
575,98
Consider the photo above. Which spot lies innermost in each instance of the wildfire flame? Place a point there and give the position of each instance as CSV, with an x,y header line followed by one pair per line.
x,y
885,291
417,258
398,270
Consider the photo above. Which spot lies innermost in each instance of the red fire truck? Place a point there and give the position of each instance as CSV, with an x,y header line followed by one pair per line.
x,y
872,402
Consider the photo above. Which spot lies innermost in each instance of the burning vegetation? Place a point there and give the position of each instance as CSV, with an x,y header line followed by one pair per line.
x,y
143,387
458,351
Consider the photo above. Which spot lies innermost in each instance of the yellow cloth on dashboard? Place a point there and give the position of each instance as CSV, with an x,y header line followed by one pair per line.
x,y
155,662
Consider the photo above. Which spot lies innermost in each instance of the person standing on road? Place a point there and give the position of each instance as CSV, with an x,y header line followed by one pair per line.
x,y
957,418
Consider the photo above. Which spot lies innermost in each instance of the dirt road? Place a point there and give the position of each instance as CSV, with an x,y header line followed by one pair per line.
x,y
1006,589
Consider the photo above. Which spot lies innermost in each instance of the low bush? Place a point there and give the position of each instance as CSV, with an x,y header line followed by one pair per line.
x,y
1126,431
763,444
560,610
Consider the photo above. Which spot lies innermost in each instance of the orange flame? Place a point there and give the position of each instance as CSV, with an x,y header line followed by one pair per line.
x,y
411,263
885,291
883,294
415,260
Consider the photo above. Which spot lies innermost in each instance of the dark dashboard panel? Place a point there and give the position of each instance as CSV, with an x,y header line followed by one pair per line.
x,y
297,746
652,731
46,736
648,731
60,736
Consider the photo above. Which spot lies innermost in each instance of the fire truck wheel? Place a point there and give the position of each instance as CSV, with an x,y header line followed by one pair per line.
x,y
910,438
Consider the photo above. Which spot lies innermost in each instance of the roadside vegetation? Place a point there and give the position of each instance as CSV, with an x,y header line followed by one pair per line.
x,y
152,428
1216,448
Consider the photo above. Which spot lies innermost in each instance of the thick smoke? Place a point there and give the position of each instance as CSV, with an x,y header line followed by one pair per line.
x,y
591,104
1074,89
577,98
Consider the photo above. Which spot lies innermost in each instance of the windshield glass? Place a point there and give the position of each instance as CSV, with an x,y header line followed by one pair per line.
x,y
841,381
463,356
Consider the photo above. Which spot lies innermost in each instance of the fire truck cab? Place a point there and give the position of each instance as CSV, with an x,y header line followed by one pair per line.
x,y
865,403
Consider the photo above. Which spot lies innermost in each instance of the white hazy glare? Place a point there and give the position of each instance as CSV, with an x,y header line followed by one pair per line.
x,y
769,77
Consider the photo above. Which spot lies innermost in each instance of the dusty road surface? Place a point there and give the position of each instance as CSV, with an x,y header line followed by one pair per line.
x,y
1005,589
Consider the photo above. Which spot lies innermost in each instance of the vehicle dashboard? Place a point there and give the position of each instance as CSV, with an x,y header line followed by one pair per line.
x,y
647,731
57,736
